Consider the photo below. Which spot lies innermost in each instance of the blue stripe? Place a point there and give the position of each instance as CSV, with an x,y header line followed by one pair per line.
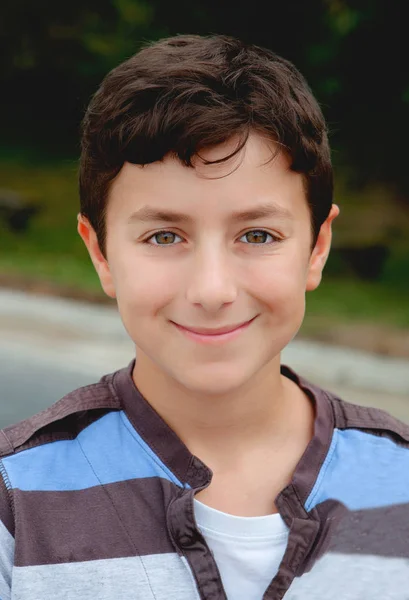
x,y
107,451
362,471
144,446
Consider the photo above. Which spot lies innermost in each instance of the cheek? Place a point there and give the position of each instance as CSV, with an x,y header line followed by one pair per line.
x,y
143,286
284,297
281,284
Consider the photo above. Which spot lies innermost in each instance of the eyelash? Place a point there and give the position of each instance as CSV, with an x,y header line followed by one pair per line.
x,y
275,239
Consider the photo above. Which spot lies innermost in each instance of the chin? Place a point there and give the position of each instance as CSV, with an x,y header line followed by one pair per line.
x,y
217,380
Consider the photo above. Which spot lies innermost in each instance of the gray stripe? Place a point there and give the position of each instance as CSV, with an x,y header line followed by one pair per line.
x,y
6,561
161,577
382,531
6,515
117,520
352,577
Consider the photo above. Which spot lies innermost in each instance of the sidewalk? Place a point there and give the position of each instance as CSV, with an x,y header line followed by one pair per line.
x,y
91,339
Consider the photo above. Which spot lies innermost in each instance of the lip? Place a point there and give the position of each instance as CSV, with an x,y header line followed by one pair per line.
x,y
214,330
209,335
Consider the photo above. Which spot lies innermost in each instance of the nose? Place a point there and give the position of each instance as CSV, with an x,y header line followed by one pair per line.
x,y
211,282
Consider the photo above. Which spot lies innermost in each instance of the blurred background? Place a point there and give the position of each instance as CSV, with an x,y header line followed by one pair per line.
x,y
354,55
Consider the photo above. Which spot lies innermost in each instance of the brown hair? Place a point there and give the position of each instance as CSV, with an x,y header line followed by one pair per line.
x,y
186,93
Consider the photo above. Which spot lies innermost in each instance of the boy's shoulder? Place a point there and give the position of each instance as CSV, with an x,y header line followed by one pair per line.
x,y
63,420
375,420
342,415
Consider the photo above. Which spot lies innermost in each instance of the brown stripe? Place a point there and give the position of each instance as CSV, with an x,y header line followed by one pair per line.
x,y
120,519
379,531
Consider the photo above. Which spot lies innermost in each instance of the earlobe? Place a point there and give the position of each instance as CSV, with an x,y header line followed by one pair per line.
x,y
89,237
321,251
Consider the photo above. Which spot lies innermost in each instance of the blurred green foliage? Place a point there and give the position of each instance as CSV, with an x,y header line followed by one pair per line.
x,y
353,53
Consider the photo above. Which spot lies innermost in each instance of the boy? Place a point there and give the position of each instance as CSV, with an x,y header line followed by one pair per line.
x,y
205,469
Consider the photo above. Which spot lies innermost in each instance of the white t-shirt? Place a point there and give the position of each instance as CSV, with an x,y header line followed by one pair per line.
x,y
247,550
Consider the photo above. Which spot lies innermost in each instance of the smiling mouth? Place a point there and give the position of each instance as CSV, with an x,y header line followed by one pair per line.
x,y
214,332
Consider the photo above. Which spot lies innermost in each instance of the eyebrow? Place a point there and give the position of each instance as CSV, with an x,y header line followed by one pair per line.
x,y
149,214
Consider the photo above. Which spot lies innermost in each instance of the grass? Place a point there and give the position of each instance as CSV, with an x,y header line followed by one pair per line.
x,y
52,252
353,301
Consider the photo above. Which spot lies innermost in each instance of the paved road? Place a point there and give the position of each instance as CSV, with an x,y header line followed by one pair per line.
x,y
29,386
49,347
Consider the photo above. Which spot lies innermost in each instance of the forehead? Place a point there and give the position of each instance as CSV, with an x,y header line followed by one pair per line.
x,y
258,175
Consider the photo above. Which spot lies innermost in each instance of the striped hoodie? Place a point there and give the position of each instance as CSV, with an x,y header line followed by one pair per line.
x,y
96,502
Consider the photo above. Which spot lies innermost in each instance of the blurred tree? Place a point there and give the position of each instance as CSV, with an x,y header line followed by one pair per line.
x,y
53,55
370,99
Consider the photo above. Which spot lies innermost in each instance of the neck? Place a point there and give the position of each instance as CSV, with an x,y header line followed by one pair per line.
x,y
220,427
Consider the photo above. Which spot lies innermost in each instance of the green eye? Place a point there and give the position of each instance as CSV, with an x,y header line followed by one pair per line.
x,y
257,236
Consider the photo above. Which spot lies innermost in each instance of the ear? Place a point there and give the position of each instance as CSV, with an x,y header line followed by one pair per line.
x,y
100,263
321,250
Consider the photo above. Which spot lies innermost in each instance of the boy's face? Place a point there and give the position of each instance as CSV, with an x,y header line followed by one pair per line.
x,y
210,265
